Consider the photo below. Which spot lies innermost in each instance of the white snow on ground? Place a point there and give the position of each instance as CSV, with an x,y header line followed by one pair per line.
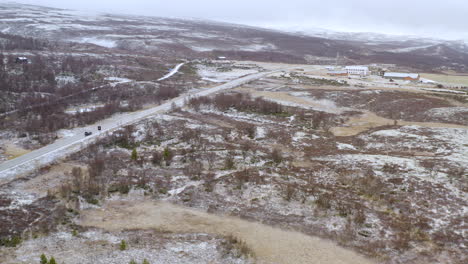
x,y
99,247
424,80
257,47
211,74
212,80
403,50
449,145
82,109
456,114
19,199
107,43
65,79
260,133
181,189
53,27
202,35
156,27
201,48
300,94
396,133
21,19
172,72
298,136
458,138
445,111
343,146
65,146
65,133
378,161
443,90
250,47
117,79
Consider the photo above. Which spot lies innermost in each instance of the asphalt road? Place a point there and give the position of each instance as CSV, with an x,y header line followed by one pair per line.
x,y
65,146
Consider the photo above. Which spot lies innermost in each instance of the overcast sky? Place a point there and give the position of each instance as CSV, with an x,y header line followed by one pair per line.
x,y
432,18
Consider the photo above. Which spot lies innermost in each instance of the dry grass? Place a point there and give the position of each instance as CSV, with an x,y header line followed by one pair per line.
x,y
369,120
446,78
268,244
13,151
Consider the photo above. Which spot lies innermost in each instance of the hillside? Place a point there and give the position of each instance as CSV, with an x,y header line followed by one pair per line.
x,y
197,39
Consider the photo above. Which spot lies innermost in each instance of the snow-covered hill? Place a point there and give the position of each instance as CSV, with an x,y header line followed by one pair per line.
x,y
201,39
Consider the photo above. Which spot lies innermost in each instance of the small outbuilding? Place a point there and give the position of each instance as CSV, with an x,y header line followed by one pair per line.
x,y
402,76
22,60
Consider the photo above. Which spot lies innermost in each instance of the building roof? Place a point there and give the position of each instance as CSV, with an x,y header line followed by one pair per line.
x,y
401,75
337,72
362,68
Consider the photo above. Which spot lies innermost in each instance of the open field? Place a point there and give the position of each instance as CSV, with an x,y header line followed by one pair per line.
x,y
270,245
447,78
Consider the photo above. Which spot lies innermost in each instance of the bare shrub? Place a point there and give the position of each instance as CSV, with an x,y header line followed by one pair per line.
x,y
289,190
77,178
324,201
390,168
96,167
317,119
247,129
370,184
229,163
456,173
241,177
276,156
359,217
209,181
194,170
237,247
168,155
156,158
282,136
239,101
210,158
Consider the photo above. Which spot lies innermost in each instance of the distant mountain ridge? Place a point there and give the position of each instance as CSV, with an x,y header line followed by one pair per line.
x,y
193,38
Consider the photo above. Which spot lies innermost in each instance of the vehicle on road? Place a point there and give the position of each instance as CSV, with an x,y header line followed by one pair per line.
x,y
99,128
87,133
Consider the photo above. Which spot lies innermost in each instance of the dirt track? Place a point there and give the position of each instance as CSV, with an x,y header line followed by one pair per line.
x,y
271,245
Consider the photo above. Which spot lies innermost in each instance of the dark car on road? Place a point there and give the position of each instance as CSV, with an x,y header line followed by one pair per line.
x,y
87,133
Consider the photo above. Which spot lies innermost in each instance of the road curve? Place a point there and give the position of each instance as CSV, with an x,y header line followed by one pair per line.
x,y
67,145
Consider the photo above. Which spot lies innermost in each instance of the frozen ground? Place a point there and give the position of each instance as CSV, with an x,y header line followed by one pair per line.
x,y
98,246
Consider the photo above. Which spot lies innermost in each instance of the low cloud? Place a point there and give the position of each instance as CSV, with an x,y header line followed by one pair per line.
x,y
438,19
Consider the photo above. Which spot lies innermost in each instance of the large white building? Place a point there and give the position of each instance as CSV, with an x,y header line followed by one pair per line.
x,y
402,76
358,70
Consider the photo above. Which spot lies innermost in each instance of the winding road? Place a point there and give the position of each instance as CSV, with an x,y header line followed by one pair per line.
x,y
76,141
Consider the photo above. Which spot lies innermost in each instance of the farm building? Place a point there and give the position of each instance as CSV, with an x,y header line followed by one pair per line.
x,y
358,70
402,76
22,60
338,73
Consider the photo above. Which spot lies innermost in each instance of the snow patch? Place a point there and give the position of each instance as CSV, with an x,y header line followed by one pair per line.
x,y
172,72
107,43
